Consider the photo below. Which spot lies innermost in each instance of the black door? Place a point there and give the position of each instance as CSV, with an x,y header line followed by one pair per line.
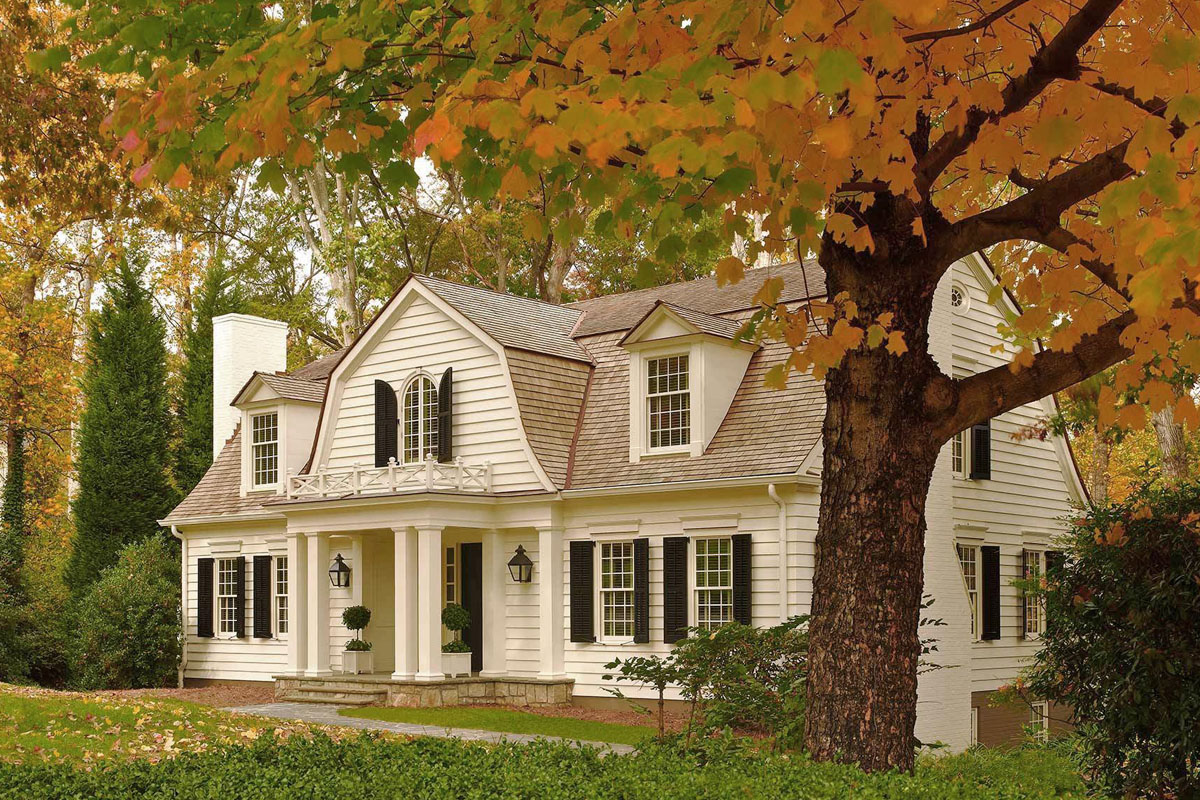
x,y
472,599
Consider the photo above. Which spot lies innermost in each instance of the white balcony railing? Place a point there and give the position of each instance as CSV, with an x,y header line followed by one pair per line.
x,y
427,475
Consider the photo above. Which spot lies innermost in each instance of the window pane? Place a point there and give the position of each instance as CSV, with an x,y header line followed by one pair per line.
x,y
265,449
227,596
616,589
420,420
669,410
714,582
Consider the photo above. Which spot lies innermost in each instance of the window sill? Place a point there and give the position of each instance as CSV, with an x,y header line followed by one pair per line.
x,y
685,450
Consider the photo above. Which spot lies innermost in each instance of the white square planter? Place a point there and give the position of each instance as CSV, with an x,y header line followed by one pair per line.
x,y
358,662
454,664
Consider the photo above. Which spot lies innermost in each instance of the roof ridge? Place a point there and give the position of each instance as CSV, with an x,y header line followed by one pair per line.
x,y
557,306
659,288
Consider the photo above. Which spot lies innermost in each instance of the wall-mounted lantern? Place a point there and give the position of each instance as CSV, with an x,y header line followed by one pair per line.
x,y
520,567
339,573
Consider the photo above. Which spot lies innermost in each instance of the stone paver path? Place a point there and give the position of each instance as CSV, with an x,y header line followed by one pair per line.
x,y
327,714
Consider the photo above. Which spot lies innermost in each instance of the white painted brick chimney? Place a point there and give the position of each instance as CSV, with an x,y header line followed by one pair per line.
x,y
242,345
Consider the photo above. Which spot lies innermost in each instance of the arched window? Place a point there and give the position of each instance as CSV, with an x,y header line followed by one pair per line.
x,y
420,420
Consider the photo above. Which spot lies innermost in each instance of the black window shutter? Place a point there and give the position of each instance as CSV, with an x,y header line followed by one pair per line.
x,y
583,623
990,558
981,451
387,423
239,603
641,590
204,597
262,597
445,418
742,611
675,593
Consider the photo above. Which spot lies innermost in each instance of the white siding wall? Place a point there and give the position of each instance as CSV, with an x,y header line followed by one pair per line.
x,y
1026,498
486,422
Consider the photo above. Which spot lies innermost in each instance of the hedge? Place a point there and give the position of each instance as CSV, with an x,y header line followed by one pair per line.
x,y
434,768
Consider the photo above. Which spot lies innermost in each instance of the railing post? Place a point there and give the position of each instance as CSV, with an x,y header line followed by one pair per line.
x,y
460,478
487,475
428,473
391,479
286,489
321,481
355,478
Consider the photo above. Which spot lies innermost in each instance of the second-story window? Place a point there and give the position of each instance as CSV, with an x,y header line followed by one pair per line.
x,y
420,420
669,402
264,451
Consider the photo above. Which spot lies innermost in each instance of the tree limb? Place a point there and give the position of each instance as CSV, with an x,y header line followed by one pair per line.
x,y
979,24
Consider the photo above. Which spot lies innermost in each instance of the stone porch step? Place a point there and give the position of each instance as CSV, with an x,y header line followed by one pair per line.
x,y
335,696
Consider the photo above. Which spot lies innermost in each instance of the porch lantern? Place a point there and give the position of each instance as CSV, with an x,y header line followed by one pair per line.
x,y
520,567
339,573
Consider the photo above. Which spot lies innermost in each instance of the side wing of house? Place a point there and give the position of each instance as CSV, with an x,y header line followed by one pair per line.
x,y
418,337
1008,503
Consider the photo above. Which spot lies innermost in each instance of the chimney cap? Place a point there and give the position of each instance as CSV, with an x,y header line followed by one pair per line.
x,y
272,323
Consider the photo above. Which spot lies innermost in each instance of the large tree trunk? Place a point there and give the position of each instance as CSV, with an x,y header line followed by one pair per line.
x,y
879,457
1172,447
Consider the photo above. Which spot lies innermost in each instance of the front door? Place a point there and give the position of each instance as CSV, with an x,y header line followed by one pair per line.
x,y
472,599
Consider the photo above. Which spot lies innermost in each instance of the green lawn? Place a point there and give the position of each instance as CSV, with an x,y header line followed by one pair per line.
x,y
509,721
86,728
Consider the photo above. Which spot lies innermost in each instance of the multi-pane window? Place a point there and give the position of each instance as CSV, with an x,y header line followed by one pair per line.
x,y
281,595
957,297
451,575
1039,720
264,451
968,561
1031,571
420,420
670,402
616,589
714,582
958,453
227,596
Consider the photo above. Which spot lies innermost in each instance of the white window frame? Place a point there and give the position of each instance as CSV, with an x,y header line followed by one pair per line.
x,y
973,594
226,597
698,589
282,617
613,594
1035,610
255,483
974,726
960,454
450,593
426,433
1039,720
965,305
650,397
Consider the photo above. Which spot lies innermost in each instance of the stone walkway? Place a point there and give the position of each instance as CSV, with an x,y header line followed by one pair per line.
x,y
326,714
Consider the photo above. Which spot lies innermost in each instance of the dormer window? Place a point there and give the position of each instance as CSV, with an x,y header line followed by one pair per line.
x,y
264,453
669,402
420,420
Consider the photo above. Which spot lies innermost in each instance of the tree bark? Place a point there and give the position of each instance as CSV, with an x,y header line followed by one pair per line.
x,y
879,456
1172,447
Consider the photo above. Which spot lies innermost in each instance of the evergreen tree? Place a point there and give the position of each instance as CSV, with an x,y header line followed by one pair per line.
x,y
123,444
194,404
12,518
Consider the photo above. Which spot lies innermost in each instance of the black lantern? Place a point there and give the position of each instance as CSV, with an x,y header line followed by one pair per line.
x,y
520,567
339,573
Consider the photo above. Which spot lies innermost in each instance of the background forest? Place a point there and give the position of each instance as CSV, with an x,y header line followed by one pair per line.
x,y
108,290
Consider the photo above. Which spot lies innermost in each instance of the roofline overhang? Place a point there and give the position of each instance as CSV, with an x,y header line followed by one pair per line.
x,y
700,483
255,516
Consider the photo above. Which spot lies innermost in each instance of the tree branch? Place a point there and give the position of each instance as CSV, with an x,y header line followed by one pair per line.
x,y
979,24
1058,60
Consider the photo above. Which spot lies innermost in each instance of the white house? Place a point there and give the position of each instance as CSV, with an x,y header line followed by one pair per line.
x,y
626,445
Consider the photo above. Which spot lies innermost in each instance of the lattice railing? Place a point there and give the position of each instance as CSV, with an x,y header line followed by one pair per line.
x,y
427,475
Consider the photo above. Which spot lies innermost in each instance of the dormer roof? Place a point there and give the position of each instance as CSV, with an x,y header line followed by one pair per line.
x,y
284,387
689,319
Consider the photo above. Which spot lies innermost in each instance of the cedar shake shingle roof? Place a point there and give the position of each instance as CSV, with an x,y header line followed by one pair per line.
x,y
571,379
705,323
513,321
291,388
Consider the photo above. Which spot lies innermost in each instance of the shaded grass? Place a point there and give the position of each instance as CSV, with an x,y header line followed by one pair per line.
x,y
505,720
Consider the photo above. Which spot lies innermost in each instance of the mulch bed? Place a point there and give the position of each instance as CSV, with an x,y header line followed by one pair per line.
x,y
218,696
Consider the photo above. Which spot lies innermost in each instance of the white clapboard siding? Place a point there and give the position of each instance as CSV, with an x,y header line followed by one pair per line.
x,y
423,338
1026,498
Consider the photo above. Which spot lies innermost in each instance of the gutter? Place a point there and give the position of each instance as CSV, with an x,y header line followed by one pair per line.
x,y
704,483
183,609
773,493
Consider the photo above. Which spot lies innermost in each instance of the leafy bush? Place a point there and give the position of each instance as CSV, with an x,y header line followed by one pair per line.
x,y
455,617
736,676
456,646
128,628
358,646
356,618
1122,644
436,768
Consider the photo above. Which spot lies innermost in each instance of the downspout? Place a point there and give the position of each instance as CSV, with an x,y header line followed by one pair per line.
x,y
183,598
783,552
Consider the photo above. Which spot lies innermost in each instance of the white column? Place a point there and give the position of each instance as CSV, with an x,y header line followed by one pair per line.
x,y
297,635
549,574
405,582
429,603
318,605
357,570
495,605
184,571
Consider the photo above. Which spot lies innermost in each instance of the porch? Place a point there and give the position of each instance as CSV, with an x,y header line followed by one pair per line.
x,y
382,689
406,575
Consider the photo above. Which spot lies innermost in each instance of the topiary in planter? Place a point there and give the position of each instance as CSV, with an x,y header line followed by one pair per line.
x,y
356,618
456,619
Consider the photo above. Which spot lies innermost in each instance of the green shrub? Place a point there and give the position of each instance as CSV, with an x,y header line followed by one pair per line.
x,y
358,646
128,629
456,618
1122,644
456,646
356,618
437,768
